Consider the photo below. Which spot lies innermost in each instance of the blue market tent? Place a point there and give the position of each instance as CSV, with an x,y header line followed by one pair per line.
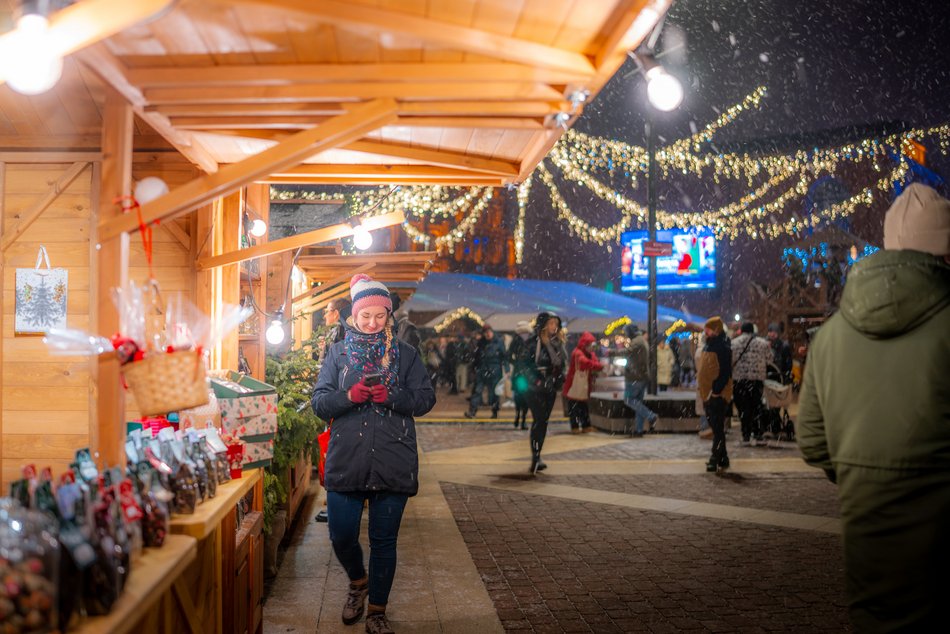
x,y
503,302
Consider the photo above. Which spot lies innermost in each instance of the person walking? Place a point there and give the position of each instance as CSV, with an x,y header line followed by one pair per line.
x,y
579,382
491,363
545,363
406,331
714,384
781,371
874,414
335,314
751,355
636,375
370,388
519,372
665,362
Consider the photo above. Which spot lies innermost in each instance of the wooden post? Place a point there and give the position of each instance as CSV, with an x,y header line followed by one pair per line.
x,y
3,193
110,269
229,291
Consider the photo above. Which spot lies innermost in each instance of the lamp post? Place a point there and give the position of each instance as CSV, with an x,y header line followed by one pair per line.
x,y
665,93
651,263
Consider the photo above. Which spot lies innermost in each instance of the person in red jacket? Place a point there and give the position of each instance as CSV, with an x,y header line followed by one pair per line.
x,y
585,362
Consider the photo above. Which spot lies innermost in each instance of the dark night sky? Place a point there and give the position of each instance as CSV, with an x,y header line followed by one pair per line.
x,y
827,65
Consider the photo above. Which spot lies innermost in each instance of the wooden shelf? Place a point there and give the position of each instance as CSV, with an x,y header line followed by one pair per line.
x,y
254,338
208,514
152,575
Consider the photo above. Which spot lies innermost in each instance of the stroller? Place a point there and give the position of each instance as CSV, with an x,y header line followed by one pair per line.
x,y
778,396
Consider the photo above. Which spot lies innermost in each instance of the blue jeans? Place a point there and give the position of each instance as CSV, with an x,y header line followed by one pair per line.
x,y
633,395
344,512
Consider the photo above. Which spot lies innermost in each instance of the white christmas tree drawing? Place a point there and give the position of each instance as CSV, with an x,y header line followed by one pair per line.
x,y
41,305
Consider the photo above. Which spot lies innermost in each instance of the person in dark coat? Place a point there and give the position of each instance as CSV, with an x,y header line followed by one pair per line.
x,y
714,385
406,331
491,362
370,388
335,314
519,379
546,366
582,359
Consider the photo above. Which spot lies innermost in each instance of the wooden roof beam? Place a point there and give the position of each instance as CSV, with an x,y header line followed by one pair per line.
x,y
631,22
283,74
291,151
341,279
485,181
333,232
278,122
453,36
435,108
98,59
354,91
433,156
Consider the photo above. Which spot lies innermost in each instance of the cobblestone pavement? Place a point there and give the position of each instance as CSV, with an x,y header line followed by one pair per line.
x,y
806,493
556,565
438,436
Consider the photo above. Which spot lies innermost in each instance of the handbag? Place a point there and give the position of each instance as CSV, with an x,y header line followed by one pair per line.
x,y
579,386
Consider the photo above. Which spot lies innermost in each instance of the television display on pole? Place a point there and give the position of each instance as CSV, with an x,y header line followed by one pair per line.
x,y
692,265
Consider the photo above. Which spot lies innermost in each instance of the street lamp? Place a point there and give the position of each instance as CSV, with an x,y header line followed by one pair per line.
x,y
665,93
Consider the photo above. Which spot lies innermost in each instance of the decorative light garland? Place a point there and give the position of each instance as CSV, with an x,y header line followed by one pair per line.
x,y
459,313
524,191
617,323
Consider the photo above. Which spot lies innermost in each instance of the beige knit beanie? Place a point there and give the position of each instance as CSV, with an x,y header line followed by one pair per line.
x,y
918,220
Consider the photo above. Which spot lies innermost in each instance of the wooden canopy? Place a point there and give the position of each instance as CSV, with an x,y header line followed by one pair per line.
x,y
467,91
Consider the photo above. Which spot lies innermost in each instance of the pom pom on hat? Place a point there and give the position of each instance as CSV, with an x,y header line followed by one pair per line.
x,y
365,292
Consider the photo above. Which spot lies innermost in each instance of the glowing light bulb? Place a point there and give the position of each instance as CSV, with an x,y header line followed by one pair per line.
x,y
275,332
664,91
738,317
258,228
36,68
362,238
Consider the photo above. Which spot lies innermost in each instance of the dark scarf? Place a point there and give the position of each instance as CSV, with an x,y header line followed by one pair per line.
x,y
366,354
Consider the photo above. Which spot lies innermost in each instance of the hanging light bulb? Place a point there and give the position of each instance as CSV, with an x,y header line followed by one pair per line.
x,y
362,238
275,332
258,228
664,91
149,188
36,68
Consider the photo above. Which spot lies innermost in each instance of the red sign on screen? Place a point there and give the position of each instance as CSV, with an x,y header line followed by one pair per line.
x,y
657,249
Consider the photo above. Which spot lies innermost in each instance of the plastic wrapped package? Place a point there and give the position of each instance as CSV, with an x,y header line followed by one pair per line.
x,y
29,567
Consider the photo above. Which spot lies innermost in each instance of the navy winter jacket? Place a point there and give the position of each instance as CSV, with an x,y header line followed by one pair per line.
x,y
372,446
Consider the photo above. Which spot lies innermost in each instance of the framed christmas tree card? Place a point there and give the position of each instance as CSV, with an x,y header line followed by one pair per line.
x,y
40,297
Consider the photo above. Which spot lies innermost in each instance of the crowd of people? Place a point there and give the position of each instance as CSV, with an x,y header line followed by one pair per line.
x,y
874,412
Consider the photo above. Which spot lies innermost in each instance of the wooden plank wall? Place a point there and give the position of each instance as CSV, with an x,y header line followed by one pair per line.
x,y
45,415
45,400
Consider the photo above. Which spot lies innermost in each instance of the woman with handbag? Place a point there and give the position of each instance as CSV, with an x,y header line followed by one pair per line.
x,y
371,386
545,361
580,379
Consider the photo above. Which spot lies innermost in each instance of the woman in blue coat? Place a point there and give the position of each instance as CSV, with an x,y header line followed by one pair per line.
x,y
371,386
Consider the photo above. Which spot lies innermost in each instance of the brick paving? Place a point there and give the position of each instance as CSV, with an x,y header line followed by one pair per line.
x,y
676,447
556,565
435,436
805,493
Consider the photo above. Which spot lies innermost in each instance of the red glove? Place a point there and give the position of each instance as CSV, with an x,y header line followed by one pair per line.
x,y
380,393
360,393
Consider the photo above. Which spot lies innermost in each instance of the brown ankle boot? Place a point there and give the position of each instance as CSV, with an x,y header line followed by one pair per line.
x,y
377,623
355,603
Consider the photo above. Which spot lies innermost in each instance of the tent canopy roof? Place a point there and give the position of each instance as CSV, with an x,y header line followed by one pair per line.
x,y
503,302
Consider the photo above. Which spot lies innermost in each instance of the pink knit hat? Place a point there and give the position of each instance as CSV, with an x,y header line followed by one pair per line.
x,y
367,293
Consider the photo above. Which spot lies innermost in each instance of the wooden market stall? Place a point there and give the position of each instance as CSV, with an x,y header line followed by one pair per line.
x,y
220,98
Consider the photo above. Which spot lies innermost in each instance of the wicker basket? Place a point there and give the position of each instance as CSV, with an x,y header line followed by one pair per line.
x,y
170,382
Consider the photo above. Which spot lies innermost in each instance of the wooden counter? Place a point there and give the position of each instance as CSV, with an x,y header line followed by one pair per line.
x,y
211,581
153,575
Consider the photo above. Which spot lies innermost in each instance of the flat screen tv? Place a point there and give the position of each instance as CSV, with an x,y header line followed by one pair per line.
x,y
692,265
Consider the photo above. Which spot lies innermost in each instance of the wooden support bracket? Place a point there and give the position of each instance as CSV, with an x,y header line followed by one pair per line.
x,y
291,151
33,213
333,232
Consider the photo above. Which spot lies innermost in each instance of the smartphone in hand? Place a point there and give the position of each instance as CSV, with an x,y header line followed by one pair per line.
x,y
372,379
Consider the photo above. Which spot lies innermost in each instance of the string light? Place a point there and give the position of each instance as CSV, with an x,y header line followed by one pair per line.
x,y
617,323
459,313
524,191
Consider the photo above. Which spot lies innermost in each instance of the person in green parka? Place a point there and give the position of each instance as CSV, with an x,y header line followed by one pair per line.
x,y
875,415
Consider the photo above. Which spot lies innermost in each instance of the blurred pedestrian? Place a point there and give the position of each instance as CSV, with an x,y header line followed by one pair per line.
x,y
714,381
636,376
580,379
519,372
545,364
875,416
664,364
491,363
751,356
406,331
